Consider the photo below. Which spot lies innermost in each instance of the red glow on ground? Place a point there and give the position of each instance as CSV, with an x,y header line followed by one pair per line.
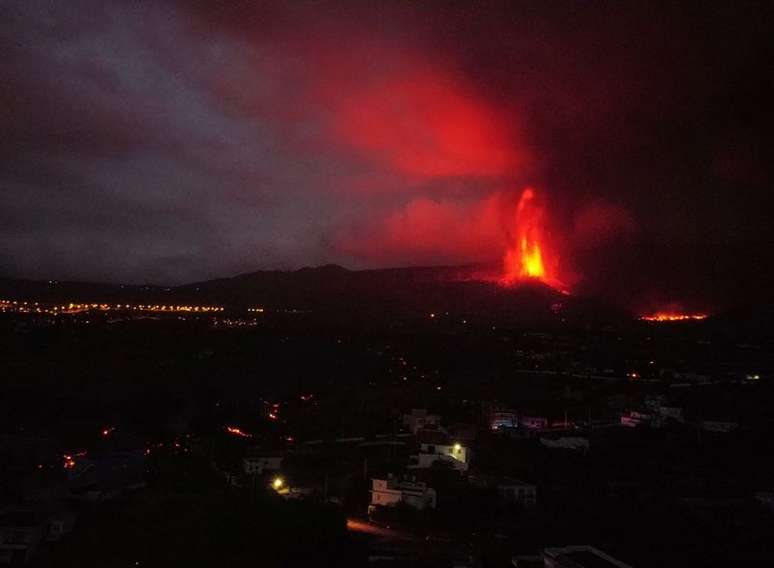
x,y
365,527
527,256
672,316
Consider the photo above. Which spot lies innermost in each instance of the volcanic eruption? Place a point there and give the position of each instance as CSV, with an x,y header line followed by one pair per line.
x,y
527,255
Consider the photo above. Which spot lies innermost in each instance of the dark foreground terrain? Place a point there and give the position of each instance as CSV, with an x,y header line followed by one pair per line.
x,y
127,432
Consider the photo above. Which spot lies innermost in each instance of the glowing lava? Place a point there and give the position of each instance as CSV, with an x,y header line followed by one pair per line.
x,y
526,257
237,432
672,316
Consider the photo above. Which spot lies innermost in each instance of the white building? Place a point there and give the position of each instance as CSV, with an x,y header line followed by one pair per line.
x,y
517,492
391,491
22,533
575,443
435,446
634,418
503,418
260,464
671,413
419,419
426,460
718,425
508,489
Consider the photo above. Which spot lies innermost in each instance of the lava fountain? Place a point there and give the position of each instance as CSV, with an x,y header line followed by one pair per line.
x,y
526,257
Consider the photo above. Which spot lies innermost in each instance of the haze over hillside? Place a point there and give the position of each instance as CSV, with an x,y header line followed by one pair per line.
x,y
331,289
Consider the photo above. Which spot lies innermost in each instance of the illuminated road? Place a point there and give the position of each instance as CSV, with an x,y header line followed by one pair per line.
x,y
364,527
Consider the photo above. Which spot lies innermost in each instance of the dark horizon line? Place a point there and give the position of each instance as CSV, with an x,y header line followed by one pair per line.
x,y
471,265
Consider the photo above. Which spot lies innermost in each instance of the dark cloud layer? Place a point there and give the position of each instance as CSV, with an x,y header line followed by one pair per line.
x,y
175,141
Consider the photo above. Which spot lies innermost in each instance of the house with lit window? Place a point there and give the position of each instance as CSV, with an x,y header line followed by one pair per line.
x,y
435,447
391,491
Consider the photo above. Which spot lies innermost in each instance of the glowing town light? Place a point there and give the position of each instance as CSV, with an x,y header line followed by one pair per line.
x,y
278,483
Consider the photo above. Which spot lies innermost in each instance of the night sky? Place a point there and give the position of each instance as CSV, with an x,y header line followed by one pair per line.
x,y
170,142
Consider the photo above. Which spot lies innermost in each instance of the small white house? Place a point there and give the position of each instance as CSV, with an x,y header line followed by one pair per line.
x,y
503,418
391,491
454,455
575,443
509,489
260,464
517,492
634,418
435,446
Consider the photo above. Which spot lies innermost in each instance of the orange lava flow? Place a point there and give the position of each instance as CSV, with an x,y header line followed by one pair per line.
x,y
237,432
526,256
671,316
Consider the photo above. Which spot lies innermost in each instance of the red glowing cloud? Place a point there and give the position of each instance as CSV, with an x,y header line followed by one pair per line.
x,y
424,125
425,133
408,113
429,231
599,222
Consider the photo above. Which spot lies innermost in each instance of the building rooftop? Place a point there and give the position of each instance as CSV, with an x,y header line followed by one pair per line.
x,y
581,557
432,436
15,518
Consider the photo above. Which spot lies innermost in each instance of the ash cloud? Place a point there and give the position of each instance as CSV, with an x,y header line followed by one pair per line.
x,y
178,141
